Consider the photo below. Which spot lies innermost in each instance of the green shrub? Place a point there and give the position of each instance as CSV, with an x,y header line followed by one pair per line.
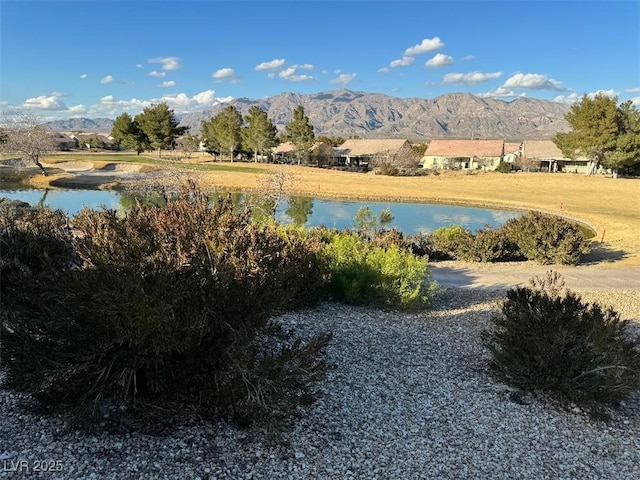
x,y
171,307
503,167
452,242
362,273
550,341
490,245
547,239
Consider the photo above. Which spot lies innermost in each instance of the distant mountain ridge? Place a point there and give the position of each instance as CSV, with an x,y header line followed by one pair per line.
x,y
373,115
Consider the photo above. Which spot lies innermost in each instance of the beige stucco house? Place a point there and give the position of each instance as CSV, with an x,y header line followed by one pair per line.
x,y
463,154
546,156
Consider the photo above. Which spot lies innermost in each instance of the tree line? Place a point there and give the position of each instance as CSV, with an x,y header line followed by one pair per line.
x,y
156,128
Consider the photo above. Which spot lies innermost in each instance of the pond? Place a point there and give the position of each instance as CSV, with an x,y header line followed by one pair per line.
x,y
410,218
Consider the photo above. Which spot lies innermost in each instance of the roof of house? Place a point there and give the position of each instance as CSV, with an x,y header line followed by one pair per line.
x,y
286,147
465,148
361,146
512,147
542,149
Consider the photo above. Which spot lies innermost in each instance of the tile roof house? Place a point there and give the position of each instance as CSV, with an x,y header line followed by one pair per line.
x,y
547,156
463,154
357,152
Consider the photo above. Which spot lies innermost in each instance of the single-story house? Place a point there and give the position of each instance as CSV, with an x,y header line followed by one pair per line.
x,y
463,154
360,151
544,155
65,142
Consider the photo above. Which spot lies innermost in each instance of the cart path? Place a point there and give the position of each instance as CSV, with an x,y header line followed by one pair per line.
x,y
507,275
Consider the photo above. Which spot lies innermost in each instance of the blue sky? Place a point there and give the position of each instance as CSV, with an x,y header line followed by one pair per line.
x,y
101,58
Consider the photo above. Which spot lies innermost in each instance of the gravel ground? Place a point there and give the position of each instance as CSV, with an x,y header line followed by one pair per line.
x,y
408,397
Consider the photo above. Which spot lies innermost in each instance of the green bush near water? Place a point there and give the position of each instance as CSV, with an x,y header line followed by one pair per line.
x,y
536,236
363,273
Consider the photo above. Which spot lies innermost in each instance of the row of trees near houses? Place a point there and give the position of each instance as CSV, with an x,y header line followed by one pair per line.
x,y
226,134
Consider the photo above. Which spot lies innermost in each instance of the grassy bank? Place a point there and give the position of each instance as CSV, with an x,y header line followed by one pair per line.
x,y
610,206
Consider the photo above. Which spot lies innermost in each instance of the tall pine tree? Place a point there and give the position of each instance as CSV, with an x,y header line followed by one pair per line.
x,y
300,132
259,134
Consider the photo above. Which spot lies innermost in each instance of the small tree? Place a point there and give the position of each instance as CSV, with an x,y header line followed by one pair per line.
x,y
259,135
25,135
187,145
300,132
222,132
368,223
160,126
126,133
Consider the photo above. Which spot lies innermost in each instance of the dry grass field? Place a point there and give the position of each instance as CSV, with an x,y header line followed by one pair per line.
x,y
611,206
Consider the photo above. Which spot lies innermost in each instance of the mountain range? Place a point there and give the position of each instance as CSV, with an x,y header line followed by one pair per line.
x,y
347,113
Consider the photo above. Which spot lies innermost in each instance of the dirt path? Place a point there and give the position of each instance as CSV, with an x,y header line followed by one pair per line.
x,y
505,275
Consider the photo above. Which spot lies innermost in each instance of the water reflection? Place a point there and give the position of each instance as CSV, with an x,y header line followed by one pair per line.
x,y
410,218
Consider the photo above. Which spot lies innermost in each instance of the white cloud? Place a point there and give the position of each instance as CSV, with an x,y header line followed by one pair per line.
x,y
290,75
107,79
633,90
43,102
157,74
139,65
77,109
402,62
304,66
179,102
271,75
427,45
168,63
272,65
609,93
168,84
225,74
471,77
635,101
83,76
344,78
500,92
439,60
567,99
324,71
533,81
384,70
466,58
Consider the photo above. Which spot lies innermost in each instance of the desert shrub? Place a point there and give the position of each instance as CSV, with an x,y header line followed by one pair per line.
x,y
549,340
452,242
422,245
362,273
490,245
547,239
32,241
387,238
503,167
171,307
